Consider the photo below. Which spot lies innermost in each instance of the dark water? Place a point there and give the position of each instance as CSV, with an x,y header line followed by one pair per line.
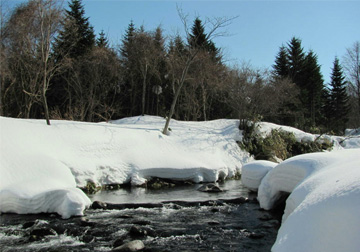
x,y
191,221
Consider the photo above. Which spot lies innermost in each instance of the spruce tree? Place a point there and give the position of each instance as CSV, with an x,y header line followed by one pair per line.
x,y
198,39
303,70
312,89
131,88
338,98
77,36
198,35
295,58
102,41
281,66
73,45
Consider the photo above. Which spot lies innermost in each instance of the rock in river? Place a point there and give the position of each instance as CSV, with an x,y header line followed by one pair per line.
x,y
135,245
210,188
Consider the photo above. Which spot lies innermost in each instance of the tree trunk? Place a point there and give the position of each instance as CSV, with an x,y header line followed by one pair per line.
x,y
204,101
46,108
173,104
144,91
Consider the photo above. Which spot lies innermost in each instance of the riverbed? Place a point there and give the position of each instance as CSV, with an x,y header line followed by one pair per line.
x,y
180,218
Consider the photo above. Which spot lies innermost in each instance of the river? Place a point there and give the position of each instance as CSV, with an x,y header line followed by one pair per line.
x,y
172,219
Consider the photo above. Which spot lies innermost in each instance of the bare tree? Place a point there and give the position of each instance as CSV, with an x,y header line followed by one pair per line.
x,y
31,30
184,62
238,89
49,14
147,58
3,70
352,67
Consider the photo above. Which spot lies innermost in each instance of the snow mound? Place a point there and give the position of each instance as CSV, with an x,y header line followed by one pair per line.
x,y
252,173
41,165
38,184
322,211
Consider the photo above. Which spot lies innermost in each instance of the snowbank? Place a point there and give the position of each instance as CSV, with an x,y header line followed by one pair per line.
x,y
263,129
252,173
350,141
41,165
37,184
322,211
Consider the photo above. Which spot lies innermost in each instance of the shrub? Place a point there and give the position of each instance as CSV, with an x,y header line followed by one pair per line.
x,y
278,144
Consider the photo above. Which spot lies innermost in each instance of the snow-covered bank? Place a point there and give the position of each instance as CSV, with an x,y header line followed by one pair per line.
x,y
41,165
252,173
322,211
351,139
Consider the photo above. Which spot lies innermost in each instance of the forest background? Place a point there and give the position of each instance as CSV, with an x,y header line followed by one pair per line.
x,y
54,66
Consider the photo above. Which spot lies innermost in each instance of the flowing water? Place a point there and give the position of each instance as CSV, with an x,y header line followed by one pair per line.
x,y
172,219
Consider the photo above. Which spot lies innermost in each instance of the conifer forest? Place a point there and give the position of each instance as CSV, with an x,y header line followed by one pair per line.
x,y
53,66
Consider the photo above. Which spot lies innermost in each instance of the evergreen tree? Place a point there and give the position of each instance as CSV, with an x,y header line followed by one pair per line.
x,y
295,58
199,39
338,98
281,66
303,70
198,35
102,41
131,91
312,89
76,40
77,36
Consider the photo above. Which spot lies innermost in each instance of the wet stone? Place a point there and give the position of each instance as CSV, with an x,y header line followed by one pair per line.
x,y
98,205
135,245
136,231
210,188
86,223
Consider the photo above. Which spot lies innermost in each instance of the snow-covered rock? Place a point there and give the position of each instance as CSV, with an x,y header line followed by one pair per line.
x,y
263,129
252,173
322,211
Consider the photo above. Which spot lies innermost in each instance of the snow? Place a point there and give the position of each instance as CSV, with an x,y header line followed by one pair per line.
x,y
323,204
252,173
263,129
41,166
322,210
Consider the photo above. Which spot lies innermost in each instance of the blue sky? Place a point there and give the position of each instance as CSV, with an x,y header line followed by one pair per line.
x,y
261,27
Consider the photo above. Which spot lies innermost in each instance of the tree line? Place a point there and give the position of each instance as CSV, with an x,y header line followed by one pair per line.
x,y
53,66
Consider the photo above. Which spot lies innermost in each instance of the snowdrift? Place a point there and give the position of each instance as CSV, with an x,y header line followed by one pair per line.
x,y
252,173
322,211
41,166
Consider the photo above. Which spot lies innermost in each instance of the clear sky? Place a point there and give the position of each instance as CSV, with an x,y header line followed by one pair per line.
x,y
261,27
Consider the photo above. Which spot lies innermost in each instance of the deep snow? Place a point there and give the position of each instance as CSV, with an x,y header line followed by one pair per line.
x,y
41,165
322,210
